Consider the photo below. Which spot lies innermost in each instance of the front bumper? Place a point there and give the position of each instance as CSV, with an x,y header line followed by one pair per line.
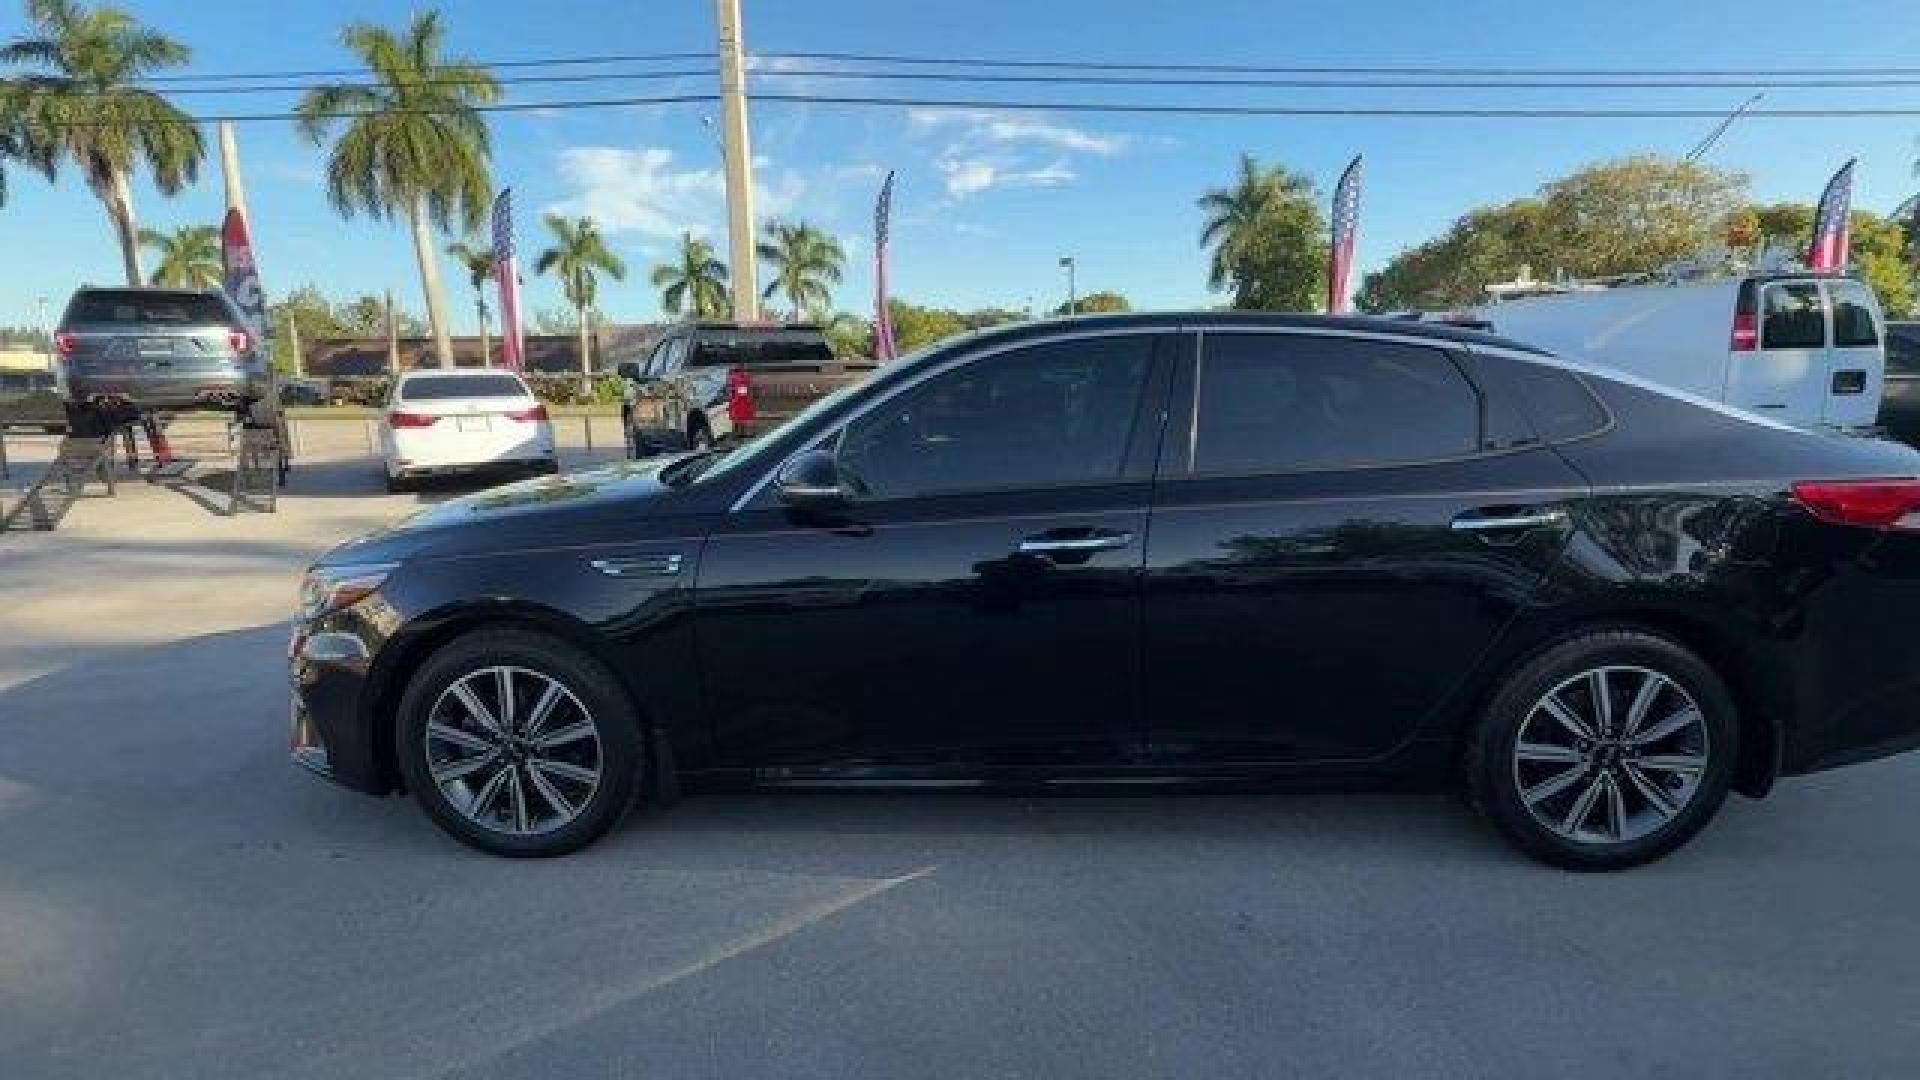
x,y
328,663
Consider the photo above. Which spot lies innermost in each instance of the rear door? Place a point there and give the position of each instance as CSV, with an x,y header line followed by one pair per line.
x,y
1342,527
1787,377
1856,366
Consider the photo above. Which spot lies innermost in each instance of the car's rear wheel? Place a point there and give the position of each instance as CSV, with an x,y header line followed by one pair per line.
x,y
519,744
699,436
1606,751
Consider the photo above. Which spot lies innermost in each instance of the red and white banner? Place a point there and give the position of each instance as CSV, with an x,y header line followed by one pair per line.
x,y
241,279
1831,229
883,344
506,273
1346,226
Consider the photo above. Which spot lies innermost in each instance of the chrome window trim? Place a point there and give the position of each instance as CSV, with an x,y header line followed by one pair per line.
x,y
1198,329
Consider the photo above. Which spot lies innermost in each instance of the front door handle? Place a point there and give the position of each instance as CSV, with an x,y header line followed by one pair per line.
x,y
1482,521
1075,542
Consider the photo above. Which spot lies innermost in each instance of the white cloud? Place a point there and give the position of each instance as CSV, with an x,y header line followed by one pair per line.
x,y
986,149
640,192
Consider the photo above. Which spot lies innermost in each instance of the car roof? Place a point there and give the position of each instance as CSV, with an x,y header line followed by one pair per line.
x,y
1178,320
451,373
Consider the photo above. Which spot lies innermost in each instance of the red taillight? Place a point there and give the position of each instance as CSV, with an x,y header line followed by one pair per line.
x,y
1872,504
1746,332
237,340
740,397
410,420
535,415
64,344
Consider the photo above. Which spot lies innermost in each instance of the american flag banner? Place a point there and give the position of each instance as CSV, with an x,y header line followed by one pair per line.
x,y
883,344
1346,225
506,273
1828,251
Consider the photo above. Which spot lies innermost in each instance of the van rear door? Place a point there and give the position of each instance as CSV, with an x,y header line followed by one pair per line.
x,y
1783,375
1856,365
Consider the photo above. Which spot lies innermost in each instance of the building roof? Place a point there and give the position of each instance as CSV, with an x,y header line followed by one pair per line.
x,y
366,357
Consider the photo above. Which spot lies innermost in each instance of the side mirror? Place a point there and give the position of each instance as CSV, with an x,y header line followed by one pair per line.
x,y
628,370
811,482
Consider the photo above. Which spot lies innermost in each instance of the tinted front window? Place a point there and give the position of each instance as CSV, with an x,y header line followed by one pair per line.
x,y
1046,415
442,387
1287,403
1558,401
1903,350
1852,316
130,306
1794,317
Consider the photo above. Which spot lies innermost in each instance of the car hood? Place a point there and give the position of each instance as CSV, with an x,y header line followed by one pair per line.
x,y
505,517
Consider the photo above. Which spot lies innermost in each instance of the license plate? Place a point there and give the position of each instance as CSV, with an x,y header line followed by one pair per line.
x,y
156,346
473,423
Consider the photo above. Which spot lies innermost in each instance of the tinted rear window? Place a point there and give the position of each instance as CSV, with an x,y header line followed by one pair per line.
x,y
1903,349
1287,402
749,350
1559,403
129,306
1852,316
1794,317
442,387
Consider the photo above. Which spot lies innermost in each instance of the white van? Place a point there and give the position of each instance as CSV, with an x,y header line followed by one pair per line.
x,y
1804,349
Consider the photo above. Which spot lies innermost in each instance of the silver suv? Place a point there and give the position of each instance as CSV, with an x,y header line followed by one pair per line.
x,y
130,351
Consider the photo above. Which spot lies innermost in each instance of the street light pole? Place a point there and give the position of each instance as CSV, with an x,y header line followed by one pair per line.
x,y
739,155
1073,297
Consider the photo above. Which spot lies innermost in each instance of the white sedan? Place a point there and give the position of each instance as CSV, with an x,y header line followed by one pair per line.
x,y
463,421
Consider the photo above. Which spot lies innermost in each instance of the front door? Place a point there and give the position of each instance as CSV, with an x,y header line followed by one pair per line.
x,y
979,604
1341,536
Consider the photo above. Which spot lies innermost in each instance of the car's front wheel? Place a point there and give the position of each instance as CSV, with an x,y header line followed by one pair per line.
x,y
518,743
1606,751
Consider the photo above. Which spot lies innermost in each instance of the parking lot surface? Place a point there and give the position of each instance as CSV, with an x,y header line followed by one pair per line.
x,y
176,900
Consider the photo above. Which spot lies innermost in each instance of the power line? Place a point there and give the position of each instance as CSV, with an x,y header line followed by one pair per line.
x,y
343,73
1340,83
1000,105
505,80
1340,69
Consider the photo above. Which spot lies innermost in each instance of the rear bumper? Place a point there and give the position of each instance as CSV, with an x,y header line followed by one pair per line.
x,y
440,454
174,392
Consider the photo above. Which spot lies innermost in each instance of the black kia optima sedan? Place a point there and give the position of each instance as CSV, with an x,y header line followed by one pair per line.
x,y
1166,547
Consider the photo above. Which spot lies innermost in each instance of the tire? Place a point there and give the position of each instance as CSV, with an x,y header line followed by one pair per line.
x,y
1670,772
560,811
699,436
398,485
87,422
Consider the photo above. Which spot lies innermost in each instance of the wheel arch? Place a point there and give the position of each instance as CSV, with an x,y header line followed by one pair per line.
x,y
426,634
1760,698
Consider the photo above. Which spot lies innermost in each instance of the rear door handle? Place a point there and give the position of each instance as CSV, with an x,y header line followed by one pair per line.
x,y
1075,542
1505,521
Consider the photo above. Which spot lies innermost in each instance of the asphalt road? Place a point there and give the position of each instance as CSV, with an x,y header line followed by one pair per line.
x,y
175,900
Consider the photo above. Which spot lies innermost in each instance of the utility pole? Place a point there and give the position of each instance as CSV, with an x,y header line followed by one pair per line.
x,y
1073,296
739,155
230,172
293,340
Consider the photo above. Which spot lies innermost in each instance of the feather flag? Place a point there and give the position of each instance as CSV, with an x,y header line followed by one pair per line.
x,y
1829,248
506,273
241,278
883,344
1346,225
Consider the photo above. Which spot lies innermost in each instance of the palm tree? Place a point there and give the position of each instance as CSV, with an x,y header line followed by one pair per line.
x,y
85,101
578,254
1237,214
416,144
806,265
697,281
478,259
190,257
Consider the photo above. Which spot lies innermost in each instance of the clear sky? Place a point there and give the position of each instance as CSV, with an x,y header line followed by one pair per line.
x,y
987,203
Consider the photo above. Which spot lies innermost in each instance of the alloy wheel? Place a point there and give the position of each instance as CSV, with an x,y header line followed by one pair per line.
x,y
1611,755
513,750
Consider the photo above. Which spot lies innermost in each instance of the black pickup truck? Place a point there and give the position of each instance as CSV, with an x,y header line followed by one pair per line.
x,y
708,382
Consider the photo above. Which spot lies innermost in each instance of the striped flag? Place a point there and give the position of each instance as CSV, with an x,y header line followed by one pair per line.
x,y
241,279
506,272
883,344
1346,225
1828,251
